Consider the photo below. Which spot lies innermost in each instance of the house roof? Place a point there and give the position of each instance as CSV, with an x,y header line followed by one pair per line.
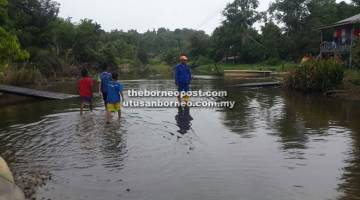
x,y
351,20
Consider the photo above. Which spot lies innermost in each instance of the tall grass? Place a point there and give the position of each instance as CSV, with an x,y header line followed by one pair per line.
x,y
317,75
21,76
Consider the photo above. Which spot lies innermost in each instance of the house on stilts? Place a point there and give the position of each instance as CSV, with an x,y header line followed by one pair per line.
x,y
338,39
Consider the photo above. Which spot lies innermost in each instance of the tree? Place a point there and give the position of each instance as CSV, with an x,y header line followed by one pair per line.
x,y
272,39
171,57
290,12
236,36
142,56
345,10
240,18
87,41
199,44
63,39
30,19
218,44
301,18
242,13
3,12
10,49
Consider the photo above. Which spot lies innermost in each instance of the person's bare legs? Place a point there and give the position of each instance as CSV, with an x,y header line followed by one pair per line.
x,y
91,106
119,114
108,117
81,107
179,99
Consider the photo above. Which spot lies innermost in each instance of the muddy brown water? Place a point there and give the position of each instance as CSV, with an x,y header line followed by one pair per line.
x,y
273,145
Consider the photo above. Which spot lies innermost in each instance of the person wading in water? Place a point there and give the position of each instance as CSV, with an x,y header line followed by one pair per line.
x,y
183,77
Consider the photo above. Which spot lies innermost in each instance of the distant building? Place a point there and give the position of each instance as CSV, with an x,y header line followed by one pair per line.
x,y
337,39
230,59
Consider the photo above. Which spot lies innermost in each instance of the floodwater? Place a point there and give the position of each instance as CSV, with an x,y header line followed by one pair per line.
x,y
274,145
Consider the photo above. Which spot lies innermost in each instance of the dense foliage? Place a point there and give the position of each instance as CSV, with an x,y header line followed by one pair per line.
x,y
316,75
32,34
296,36
10,48
356,55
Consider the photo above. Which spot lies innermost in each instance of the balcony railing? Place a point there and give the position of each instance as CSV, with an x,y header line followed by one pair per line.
x,y
332,47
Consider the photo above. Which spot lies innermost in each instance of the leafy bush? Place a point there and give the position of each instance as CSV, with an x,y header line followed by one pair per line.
x,y
171,57
317,75
352,77
356,55
202,60
10,49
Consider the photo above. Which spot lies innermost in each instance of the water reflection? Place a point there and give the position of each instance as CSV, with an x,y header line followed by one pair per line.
x,y
351,177
319,116
183,119
303,123
114,146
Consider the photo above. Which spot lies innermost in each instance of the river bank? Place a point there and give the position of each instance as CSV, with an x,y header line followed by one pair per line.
x,y
350,89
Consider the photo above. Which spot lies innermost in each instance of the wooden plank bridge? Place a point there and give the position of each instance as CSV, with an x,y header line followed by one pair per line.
x,y
252,74
35,93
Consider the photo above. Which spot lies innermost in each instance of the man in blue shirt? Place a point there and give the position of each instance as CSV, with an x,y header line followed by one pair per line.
x,y
183,76
114,97
104,80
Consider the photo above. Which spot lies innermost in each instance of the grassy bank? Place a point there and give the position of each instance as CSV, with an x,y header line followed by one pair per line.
x,y
352,78
219,69
350,89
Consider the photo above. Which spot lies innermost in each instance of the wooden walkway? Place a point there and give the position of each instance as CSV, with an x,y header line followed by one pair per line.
x,y
35,93
252,85
241,74
252,74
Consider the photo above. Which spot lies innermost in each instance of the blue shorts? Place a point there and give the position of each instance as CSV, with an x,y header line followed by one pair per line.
x,y
183,87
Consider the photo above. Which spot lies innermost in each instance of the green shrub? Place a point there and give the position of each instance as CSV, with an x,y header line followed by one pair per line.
x,y
46,61
202,60
171,57
272,61
155,61
356,55
10,49
317,75
352,77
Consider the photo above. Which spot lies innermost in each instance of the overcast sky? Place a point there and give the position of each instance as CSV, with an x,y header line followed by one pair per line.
x,y
144,15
